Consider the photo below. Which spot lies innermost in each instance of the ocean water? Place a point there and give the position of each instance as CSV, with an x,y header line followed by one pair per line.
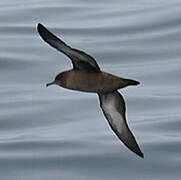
x,y
54,133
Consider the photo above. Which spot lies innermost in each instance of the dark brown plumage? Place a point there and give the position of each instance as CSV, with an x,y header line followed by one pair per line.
x,y
87,76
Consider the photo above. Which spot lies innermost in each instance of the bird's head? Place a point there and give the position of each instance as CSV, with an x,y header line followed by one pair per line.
x,y
59,80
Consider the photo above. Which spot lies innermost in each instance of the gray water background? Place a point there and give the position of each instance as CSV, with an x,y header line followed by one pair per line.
x,y
53,133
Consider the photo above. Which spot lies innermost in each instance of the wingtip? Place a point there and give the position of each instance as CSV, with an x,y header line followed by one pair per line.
x,y
40,27
138,151
141,155
44,32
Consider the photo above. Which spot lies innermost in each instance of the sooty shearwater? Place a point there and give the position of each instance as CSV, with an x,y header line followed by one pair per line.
x,y
87,76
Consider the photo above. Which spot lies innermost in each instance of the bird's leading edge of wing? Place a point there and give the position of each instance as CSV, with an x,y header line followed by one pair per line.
x,y
80,59
113,107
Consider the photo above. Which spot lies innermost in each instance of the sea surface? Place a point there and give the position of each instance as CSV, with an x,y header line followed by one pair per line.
x,y
53,133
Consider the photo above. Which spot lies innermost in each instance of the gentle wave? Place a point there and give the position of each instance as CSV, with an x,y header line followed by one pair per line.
x,y
60,134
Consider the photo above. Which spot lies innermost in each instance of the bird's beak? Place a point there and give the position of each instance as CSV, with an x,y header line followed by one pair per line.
x,y
49,84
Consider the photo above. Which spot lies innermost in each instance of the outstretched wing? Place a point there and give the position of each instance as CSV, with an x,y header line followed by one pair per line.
x,y
113,107
80,60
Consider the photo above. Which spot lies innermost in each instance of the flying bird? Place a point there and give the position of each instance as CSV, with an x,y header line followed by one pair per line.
x,y
87,76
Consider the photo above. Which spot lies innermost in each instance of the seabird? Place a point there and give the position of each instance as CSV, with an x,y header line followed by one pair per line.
x,y
87,76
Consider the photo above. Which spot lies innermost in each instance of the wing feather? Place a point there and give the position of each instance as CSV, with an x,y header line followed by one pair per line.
x,y
113,107
80,59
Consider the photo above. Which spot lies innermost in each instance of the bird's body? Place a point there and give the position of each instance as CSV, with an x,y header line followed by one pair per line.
x,y
87,76
96,82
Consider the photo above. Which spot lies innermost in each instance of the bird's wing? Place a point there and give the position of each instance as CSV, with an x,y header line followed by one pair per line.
x,y
80,60
113,107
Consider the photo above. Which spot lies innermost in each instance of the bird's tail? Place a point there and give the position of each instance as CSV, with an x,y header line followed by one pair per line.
x,y
130,82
